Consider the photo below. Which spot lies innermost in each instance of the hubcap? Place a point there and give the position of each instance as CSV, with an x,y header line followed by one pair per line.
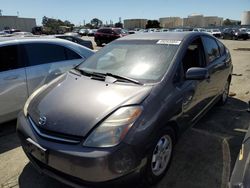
x,y
225,92
161,155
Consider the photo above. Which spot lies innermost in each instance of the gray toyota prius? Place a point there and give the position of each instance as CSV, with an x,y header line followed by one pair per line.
x,y
121,111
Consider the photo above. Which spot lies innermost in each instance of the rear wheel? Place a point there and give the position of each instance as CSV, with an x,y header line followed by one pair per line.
x,y
98,43
224,96
159,156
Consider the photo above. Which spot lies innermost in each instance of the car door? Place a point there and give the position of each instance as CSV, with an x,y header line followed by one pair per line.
x,y
46,61
215,65
193,97
13,88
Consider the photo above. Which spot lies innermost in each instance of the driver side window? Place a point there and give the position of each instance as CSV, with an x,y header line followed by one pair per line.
x,y
194,56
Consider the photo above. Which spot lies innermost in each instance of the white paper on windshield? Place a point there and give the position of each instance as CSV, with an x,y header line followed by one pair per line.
x,y
173,42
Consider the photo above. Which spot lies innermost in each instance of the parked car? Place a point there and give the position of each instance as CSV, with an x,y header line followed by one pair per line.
x,y
234,34
86,43
10,31
106,35
214,32
28,63
92,32
199,29
83,32
247,30
22,34
241,173
164,30
122,110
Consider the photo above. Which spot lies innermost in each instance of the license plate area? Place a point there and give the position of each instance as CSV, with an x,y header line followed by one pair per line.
x,y
37,151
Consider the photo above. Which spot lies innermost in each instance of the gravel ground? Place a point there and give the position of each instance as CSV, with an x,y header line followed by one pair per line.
x,y
203,157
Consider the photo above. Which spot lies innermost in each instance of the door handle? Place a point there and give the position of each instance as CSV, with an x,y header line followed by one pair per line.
x,y
11,77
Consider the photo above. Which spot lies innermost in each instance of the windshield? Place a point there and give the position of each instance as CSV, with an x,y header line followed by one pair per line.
x,y
145,61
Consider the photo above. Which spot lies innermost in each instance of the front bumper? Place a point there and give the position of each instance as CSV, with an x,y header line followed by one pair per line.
x,y
73,163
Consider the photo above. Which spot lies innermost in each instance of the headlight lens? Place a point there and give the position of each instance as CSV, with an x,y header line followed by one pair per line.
x,y
113,129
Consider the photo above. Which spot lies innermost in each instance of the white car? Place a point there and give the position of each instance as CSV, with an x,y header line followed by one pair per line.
x,y
28,63
199,30
214,32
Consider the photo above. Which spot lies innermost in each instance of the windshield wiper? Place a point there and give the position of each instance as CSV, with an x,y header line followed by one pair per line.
x,y
124,78
99,75
90,73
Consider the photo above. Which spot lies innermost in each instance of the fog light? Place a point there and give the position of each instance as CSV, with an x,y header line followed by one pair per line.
x,y
123,161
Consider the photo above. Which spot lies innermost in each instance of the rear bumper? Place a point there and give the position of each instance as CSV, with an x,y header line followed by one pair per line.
x,y
76,165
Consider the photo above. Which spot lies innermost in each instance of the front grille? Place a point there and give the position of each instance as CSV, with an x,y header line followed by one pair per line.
x,y
54,136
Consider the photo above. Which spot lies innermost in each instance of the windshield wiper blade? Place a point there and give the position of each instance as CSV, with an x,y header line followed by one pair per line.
x,y
124,78
90,73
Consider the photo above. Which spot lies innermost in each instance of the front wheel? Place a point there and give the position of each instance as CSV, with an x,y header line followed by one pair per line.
x,y
159,156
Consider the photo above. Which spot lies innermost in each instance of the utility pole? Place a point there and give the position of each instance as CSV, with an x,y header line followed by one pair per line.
x,y
1,12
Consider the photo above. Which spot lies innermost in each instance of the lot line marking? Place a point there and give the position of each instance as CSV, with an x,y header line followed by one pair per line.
x,y
240,130
226,164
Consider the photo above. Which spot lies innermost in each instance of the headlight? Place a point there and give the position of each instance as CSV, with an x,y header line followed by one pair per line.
x,y
113,129
25,108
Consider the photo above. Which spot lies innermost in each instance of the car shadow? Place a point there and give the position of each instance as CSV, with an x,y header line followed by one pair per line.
x,y
30,178
205,154
203,157
8,136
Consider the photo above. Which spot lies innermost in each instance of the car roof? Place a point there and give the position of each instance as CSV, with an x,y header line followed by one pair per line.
x,y
162,36
14,39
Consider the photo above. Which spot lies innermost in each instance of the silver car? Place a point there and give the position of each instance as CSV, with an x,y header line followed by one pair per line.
x,y
28,63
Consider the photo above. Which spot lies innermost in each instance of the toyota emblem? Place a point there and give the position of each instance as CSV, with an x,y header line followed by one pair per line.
x,y
42,120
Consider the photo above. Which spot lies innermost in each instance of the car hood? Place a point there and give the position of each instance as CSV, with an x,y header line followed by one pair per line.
x,y
75,104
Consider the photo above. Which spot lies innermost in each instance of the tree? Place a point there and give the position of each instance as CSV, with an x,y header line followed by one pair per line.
x,y
89,26
56,25
96,23
119,25
153,24
227,22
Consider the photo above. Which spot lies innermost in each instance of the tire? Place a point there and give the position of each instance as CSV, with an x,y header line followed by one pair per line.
x,y
98,43
158,161
224,95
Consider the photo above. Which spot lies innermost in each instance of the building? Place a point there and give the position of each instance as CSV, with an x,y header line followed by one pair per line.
x,y
135,23
195,20
14,22
198,20
171,22
245,18
213,21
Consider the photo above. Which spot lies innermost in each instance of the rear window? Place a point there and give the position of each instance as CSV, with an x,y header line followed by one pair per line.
x,y
212,49
118,31
222,47
40,53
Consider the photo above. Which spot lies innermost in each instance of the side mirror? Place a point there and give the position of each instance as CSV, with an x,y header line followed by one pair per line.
x,y
197,73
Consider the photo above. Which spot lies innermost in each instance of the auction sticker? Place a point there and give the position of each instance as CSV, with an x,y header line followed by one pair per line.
x,y
173,42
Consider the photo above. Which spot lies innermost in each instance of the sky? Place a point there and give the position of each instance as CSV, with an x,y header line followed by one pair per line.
x,y
76,11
